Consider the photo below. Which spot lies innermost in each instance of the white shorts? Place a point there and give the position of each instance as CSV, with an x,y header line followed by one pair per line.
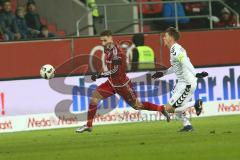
x,y
181,94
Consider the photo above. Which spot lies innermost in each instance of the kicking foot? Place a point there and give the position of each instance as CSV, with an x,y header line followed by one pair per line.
x,y
198,106
84,128
187,128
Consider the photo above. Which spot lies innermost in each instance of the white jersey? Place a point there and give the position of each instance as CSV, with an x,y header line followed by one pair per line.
x,y
181,65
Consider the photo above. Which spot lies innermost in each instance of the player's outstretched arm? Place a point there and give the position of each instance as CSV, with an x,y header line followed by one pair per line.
x,y
160,74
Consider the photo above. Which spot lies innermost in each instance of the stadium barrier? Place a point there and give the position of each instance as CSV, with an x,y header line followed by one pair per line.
x,y
24,59
63,102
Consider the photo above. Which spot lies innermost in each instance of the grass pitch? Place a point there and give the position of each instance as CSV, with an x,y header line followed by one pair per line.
x,y
213,138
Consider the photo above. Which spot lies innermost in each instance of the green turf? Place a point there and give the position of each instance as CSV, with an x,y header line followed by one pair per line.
x,y
213,138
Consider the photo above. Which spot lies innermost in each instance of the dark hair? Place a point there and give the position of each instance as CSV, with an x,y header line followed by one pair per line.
x,y
31,2
106,33
138,39
43,27
173,32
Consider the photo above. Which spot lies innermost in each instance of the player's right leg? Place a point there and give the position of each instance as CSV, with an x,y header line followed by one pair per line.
x,y
103,91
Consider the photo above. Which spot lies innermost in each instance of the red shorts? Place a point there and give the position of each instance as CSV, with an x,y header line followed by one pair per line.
x,y
127,92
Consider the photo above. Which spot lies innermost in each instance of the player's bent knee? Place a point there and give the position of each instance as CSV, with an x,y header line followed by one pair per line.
x,y
96,97
94,101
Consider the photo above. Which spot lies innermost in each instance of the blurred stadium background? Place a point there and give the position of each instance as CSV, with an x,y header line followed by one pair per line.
x,y
65,34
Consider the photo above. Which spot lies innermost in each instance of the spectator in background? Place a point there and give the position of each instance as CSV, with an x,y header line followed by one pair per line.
x,y
216,8
234,4
143,56
169,12
226,19
22,25
151,10
32,17
44,33
197,9
8,22
97,18
2,37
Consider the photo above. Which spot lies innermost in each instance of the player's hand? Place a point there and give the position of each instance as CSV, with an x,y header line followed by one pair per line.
x,y
95,76
202,74
157,75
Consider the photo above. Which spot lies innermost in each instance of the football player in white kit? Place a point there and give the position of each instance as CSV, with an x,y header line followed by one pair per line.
x,y
186,79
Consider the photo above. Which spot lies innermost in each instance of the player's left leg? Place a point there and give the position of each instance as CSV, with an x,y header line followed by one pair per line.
x,y
182,116
103,91
183,106
181,113
180,95
130,96
187,126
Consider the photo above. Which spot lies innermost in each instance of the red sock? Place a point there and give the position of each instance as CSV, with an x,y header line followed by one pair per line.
x,y
152,107
91,113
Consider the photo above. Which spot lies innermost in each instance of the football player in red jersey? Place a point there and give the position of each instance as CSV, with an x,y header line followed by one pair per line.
x,y
117,82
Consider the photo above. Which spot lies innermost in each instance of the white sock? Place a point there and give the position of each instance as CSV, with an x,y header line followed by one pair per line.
x,y
186,106
184,119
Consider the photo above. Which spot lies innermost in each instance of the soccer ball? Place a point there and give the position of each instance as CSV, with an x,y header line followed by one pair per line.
x,y
47,71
